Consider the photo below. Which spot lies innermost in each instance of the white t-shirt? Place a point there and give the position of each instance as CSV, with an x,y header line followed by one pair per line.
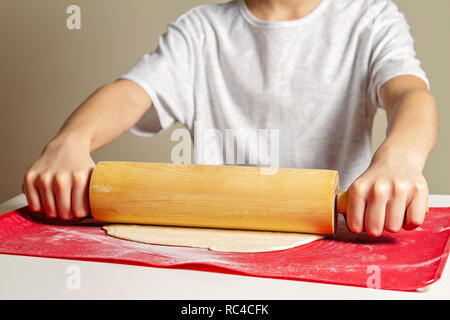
x,y
304,90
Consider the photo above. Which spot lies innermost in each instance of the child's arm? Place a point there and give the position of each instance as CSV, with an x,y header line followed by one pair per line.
x,y
57,182
393,184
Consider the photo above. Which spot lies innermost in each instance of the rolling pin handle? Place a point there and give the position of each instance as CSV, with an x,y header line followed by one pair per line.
x,y
342,202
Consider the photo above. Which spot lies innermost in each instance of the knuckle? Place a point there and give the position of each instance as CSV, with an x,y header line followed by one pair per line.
x,y
419,187
399,186
29,177
357,188
60,179
79,176
380,189
45,178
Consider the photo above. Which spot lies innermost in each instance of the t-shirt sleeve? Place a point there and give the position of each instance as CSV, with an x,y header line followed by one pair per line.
x,y
393,53
167,75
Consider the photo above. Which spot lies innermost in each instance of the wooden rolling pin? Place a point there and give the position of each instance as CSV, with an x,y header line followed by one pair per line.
x,y
230,197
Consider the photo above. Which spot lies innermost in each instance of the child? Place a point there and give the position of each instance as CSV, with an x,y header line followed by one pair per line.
x,y
314,71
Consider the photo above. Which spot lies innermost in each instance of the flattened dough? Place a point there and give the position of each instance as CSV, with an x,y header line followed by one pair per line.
x,y
213,239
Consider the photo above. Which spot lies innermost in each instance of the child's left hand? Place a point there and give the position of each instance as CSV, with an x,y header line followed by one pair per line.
x,y
392,193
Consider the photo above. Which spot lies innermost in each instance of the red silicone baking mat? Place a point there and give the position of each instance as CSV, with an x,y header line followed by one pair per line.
x,y
405,261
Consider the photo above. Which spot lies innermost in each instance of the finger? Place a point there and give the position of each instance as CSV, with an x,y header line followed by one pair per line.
x,y
80,194
47,196
415,213
31,193
396,210
376,209
62,190
395,215
355,209
374,217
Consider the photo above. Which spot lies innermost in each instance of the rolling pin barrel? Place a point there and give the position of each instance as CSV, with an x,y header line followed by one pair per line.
x,y
230,197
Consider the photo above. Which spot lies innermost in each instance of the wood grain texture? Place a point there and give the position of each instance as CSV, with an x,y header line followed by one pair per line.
x,y
229,197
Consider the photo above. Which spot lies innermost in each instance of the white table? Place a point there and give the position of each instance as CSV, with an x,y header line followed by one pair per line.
x,y
42,278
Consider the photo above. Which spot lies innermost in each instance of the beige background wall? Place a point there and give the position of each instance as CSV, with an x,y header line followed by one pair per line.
x,y
47,71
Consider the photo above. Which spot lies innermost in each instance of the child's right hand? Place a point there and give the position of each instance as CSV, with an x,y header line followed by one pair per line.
x,y
57,183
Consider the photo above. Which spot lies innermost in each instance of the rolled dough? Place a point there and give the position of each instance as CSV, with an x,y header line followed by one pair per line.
x,y
213,239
